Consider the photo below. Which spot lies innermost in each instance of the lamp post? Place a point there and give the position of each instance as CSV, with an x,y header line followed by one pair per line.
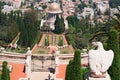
x,y
52,59
52,68
49,77
32,63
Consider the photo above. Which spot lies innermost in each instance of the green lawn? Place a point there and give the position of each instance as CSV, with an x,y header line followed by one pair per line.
x,y
65,50
17,50
41,50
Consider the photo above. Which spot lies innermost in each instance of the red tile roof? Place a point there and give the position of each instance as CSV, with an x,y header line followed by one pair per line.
x,y
17,71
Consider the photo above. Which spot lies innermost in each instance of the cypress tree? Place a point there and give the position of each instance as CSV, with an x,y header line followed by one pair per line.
x,y
46,43
113,43
62,25
73,71
59,25
28,28
77,66
68,75
60,43
3,19
5,71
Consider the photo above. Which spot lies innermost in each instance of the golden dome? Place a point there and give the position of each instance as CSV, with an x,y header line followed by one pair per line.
x,y
54,8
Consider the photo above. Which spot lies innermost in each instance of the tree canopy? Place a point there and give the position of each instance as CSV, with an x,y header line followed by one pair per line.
x,y
59,25
5,71
113,43
73,71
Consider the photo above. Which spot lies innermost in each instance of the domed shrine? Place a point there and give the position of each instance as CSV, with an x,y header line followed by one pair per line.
x,y
54,8
52,11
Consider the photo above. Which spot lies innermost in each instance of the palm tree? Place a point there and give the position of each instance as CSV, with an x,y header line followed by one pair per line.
x,y
117,22
102,33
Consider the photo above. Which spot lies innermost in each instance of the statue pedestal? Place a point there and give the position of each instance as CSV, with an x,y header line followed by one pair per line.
x,y
92,78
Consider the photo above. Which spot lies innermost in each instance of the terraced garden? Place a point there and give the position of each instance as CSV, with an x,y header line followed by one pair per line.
x,y
53,40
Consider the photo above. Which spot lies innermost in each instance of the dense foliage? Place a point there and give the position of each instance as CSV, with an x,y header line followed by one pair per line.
x,y
60,42
5,71
8,26
59,25
13,23
46,43
80,31
28,28
102,33
73,71
113,44
117,23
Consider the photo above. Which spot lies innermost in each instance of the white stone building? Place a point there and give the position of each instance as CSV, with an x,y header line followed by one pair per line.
x,y
52,10
88,12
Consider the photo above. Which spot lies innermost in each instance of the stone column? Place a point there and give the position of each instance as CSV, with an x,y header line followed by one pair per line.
x,y
56,63
57,58
28,63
